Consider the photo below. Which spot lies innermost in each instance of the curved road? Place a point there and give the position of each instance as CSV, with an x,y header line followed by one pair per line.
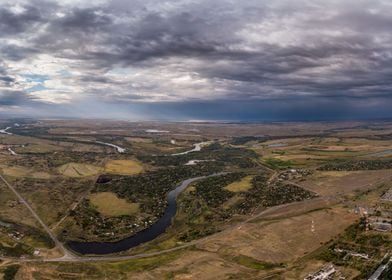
x,y
75,258
68,255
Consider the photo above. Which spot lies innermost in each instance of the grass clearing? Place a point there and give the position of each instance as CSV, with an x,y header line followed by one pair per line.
x,y
335,173
252,263
39,148
124,167
283,239
77,170
109,204
232,201
20,171
148,263
240,186
276,163
345,182
138,140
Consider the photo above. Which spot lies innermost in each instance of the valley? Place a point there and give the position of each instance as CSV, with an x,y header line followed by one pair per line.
x,y
122,199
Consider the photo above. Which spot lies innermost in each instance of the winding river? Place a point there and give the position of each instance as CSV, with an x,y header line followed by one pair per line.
x,y
118,148
4,131
148,234
197,148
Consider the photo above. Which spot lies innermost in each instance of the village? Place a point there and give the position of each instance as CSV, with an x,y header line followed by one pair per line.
x,y
376,221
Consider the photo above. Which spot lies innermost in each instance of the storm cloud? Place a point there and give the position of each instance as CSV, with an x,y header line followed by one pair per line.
x,y
197,59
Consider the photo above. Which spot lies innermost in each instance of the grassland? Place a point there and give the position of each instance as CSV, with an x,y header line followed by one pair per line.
x,y
77,170
21,171
252,263
310,151
283,239
109,204
13,211
39,148
279,164
240,186
345,182
58,162
124,167
52,198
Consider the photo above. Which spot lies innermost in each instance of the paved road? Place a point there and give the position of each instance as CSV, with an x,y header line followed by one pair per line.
x,y
376,275
75,258
75,205
69,257
67,254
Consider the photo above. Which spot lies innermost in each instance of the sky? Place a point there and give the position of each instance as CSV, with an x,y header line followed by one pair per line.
x,y
248,60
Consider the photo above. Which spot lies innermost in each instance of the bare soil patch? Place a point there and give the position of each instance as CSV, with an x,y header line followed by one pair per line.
x,y
283,240
344,182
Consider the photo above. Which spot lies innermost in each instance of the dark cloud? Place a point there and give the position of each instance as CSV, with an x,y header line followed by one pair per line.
x,y
14,98
135,51
6,81
12,23
14,53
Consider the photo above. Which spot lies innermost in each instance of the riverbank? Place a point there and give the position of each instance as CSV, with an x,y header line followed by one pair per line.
x,y
148,234
197,148
118,148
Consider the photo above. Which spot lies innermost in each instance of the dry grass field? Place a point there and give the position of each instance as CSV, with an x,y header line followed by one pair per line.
x,y
138,140
12,210
77,170
20,171
39,148
124,167
330,183
109,204
316,150
283,234
283,239
58,161
148,146
241,186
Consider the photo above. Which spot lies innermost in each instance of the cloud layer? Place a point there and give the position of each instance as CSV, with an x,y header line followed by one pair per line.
x,y
131,58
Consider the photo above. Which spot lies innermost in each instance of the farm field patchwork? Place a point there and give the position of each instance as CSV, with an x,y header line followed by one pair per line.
x,y
123,167
275,207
